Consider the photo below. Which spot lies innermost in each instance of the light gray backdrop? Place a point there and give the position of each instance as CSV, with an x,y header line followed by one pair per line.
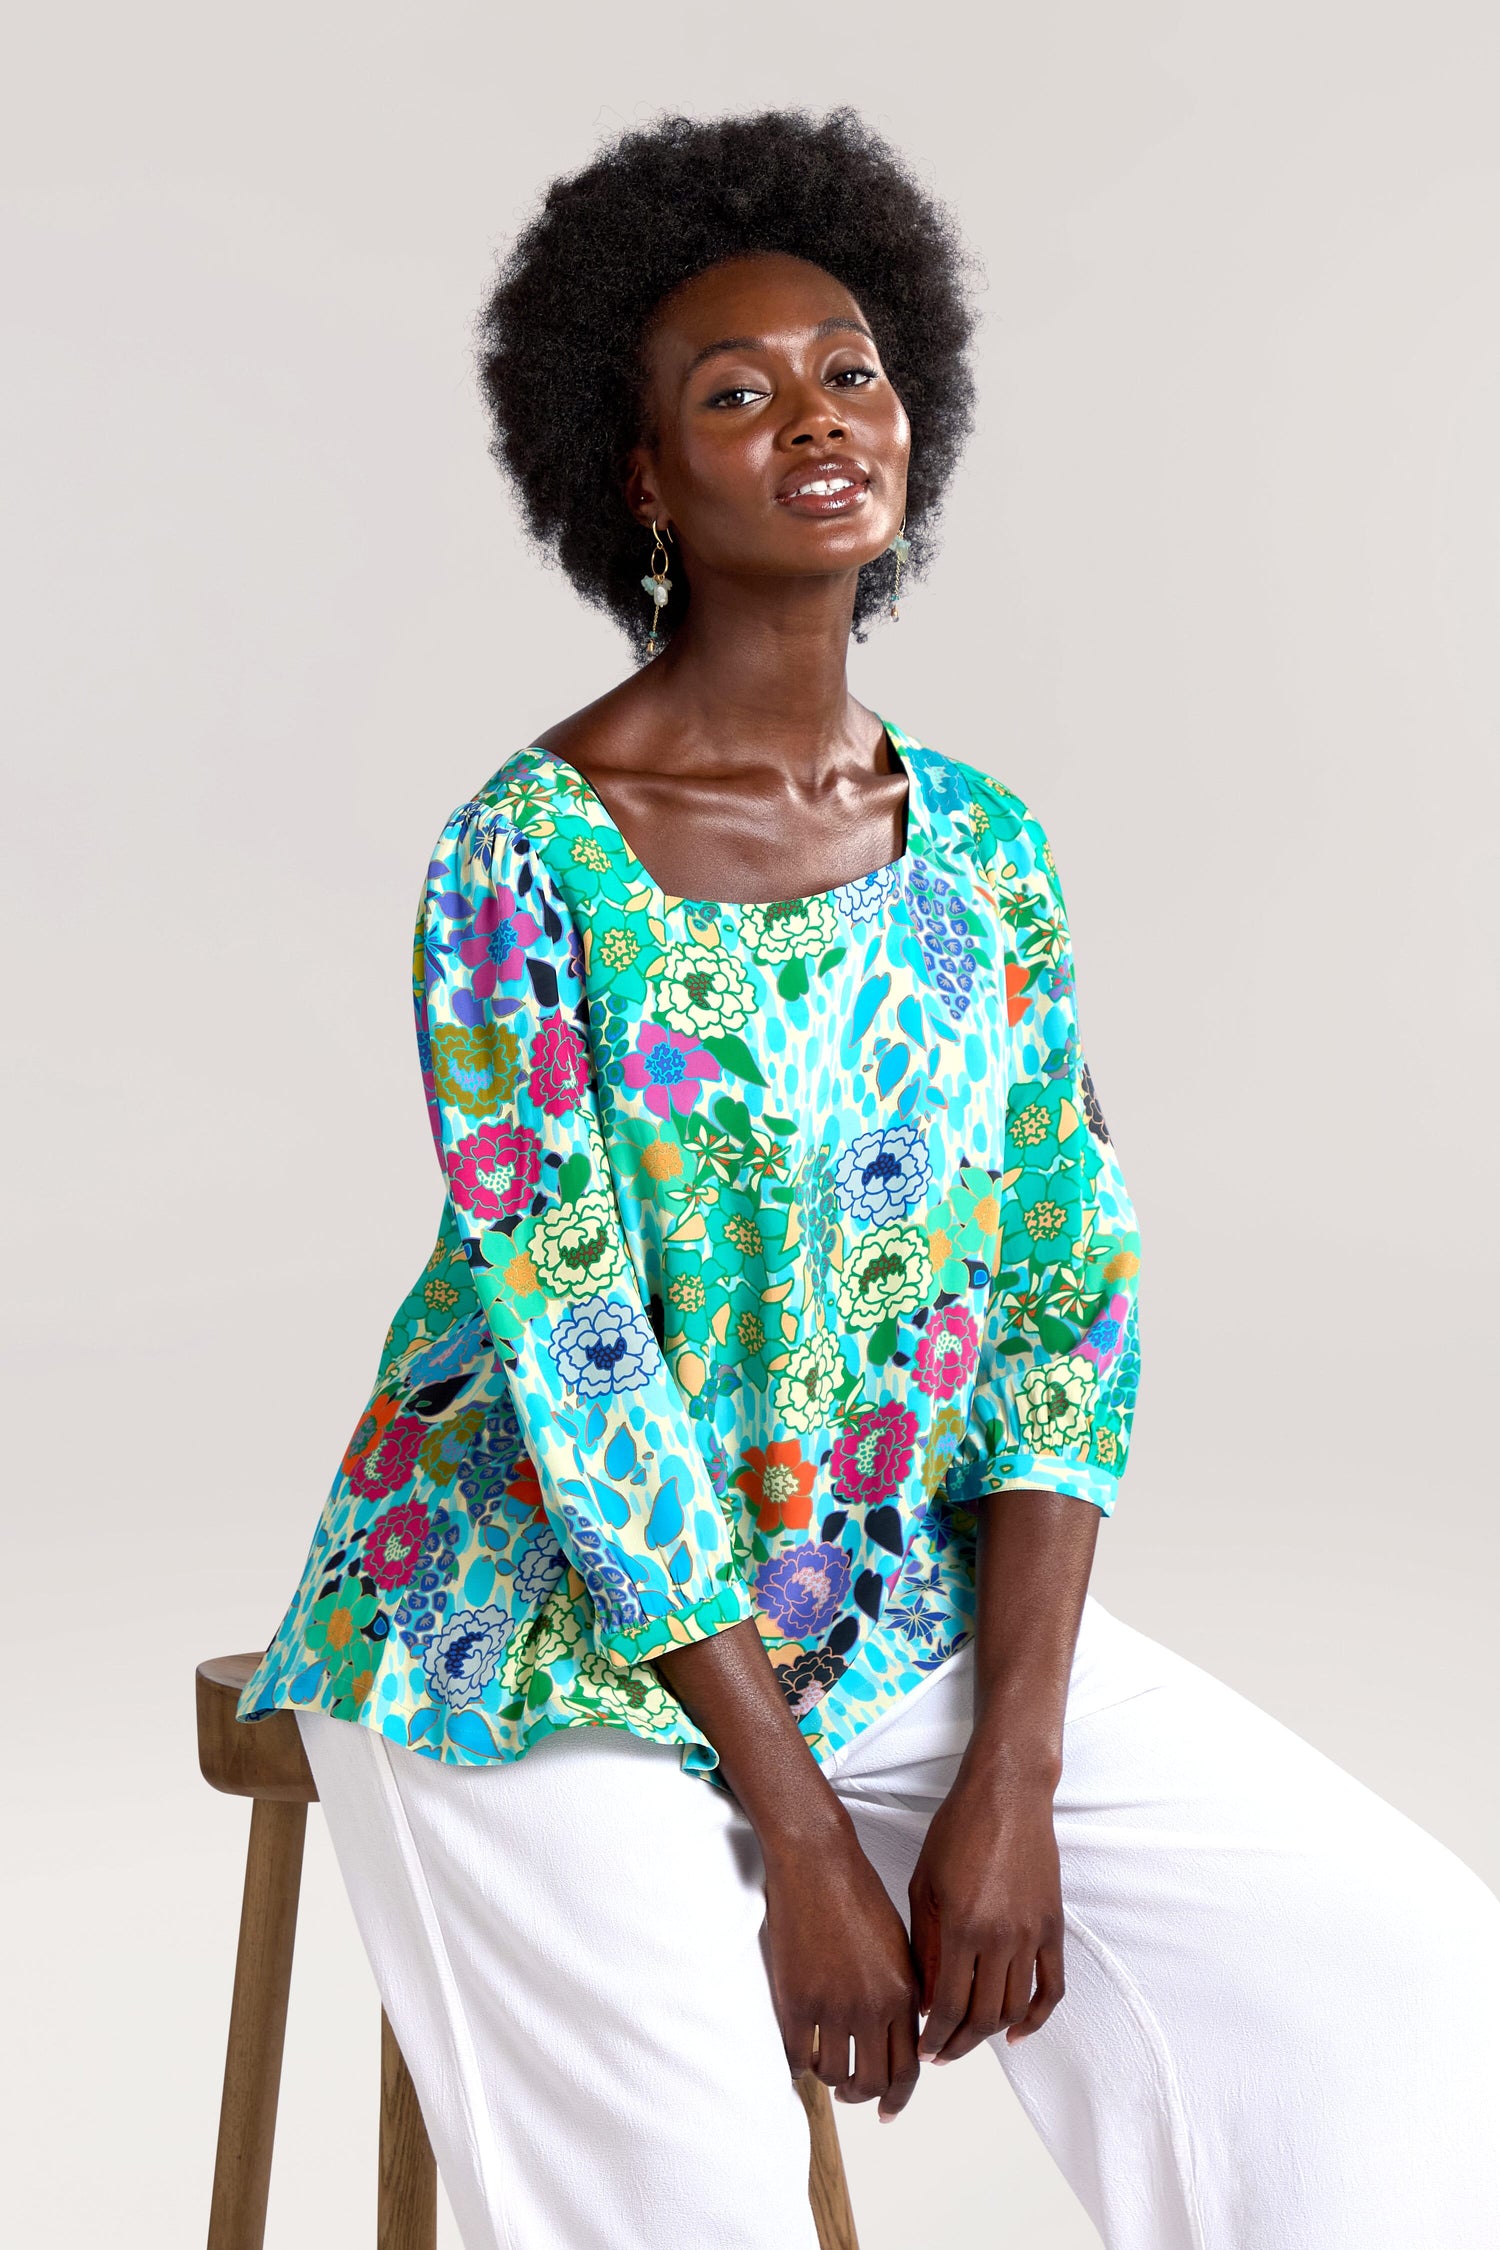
x,y
1218,595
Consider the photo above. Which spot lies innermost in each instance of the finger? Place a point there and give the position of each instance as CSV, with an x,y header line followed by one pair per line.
x,y
904,2069
1049,1990
831,2062
924,1946
871,2075
797,2036
985,2013
950,1998
1019,1984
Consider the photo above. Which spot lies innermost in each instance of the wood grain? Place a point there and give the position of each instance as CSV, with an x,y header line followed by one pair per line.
x,y
257,2026
407,2215
827,2186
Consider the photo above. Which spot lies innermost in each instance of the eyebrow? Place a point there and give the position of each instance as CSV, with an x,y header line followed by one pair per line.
x,y
836,324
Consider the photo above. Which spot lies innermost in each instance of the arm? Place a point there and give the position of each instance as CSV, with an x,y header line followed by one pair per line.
x,y
840,1961
986,1904
501,1014
1047,1446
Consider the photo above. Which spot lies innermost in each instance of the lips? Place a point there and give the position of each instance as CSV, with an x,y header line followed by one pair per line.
x,y
830,487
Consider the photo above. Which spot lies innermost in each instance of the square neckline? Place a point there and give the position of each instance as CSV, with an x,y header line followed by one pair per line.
x,y
602,816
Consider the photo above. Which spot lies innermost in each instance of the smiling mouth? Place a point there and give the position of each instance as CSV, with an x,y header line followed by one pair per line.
x,y
827,492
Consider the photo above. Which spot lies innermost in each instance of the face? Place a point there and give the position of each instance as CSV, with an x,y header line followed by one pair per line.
x,y
780,447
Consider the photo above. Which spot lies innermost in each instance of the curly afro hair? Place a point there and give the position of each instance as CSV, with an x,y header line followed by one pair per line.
x,y
561,337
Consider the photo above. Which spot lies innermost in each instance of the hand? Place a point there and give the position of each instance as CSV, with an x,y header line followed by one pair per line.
x,y
840,1963
986,1916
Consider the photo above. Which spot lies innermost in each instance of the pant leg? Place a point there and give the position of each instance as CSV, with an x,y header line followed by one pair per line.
x,y
1280,2027
569,1950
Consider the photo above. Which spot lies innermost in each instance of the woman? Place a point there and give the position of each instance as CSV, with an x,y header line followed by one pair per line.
x,y
706,1580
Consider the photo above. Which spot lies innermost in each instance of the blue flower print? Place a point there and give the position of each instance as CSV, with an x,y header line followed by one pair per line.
x,y
491,1463
942,925
881,1175
539,1568
802,1590
603,1345
868,898
424,1601
612,1590
466,1655
922,1612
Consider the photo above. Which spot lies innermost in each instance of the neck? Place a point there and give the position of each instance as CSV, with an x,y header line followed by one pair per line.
x,y
760,666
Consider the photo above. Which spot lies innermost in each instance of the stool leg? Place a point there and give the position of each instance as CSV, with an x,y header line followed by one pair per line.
x,y
828,2190
257,2026
407,2217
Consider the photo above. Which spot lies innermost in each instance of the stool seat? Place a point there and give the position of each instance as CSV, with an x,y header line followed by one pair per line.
x,y
265,1759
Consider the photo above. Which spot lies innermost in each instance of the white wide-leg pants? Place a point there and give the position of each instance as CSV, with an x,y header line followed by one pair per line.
x,y
1281,2029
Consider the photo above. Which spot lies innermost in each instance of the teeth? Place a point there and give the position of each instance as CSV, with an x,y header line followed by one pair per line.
x,y
822,486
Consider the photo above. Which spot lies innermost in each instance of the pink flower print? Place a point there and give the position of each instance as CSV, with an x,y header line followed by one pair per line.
x,y
493,1172
389,1464
1103,1340
496,948
393,1543
559,1067
671,1067
948,1352
869,1462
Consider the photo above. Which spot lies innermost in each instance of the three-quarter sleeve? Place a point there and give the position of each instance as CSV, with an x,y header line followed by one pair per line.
x,y
1059,1363
502,1021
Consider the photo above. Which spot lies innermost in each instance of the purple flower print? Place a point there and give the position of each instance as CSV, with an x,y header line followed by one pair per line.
x,y
801,1591
496,948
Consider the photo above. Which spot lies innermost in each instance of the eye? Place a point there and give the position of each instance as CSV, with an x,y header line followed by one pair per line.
x,y
737,395
855,378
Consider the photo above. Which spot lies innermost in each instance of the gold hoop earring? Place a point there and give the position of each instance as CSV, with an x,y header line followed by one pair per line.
x,y
900,548
658,585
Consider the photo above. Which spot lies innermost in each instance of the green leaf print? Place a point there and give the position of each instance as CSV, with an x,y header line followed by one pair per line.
x,y
733,1116
729,1049
831,959
791,981
573,1177
1055,1333
882,1342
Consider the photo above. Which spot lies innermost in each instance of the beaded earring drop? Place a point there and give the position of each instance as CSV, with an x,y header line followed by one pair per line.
x,y
658,585
900,548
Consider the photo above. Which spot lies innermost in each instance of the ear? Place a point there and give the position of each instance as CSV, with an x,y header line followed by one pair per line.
x,y
641,495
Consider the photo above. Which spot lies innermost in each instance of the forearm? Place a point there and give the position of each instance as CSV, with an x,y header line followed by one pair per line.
x,y
1035,1553
727,1687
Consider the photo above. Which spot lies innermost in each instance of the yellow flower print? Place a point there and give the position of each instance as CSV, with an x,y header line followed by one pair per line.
x,y
475,1070
701,989
577,1248
805,1388
887,1271
943,1441
1055,1403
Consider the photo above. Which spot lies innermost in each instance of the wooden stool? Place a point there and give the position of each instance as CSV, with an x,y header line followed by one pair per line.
x,y
266,1762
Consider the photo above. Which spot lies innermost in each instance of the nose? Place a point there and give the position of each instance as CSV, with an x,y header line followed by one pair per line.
x,y
813,418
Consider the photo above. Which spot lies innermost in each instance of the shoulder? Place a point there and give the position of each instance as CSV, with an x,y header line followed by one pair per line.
x,y
521,805
1005,836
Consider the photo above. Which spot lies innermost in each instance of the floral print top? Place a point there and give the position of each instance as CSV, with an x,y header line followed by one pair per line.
x,y
774,1236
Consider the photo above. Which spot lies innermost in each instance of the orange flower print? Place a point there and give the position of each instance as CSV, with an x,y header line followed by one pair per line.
x,y
778,1484
1016,1004
524,1489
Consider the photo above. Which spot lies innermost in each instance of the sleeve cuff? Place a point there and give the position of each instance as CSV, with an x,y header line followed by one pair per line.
x,y
659,1635
1036,1472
